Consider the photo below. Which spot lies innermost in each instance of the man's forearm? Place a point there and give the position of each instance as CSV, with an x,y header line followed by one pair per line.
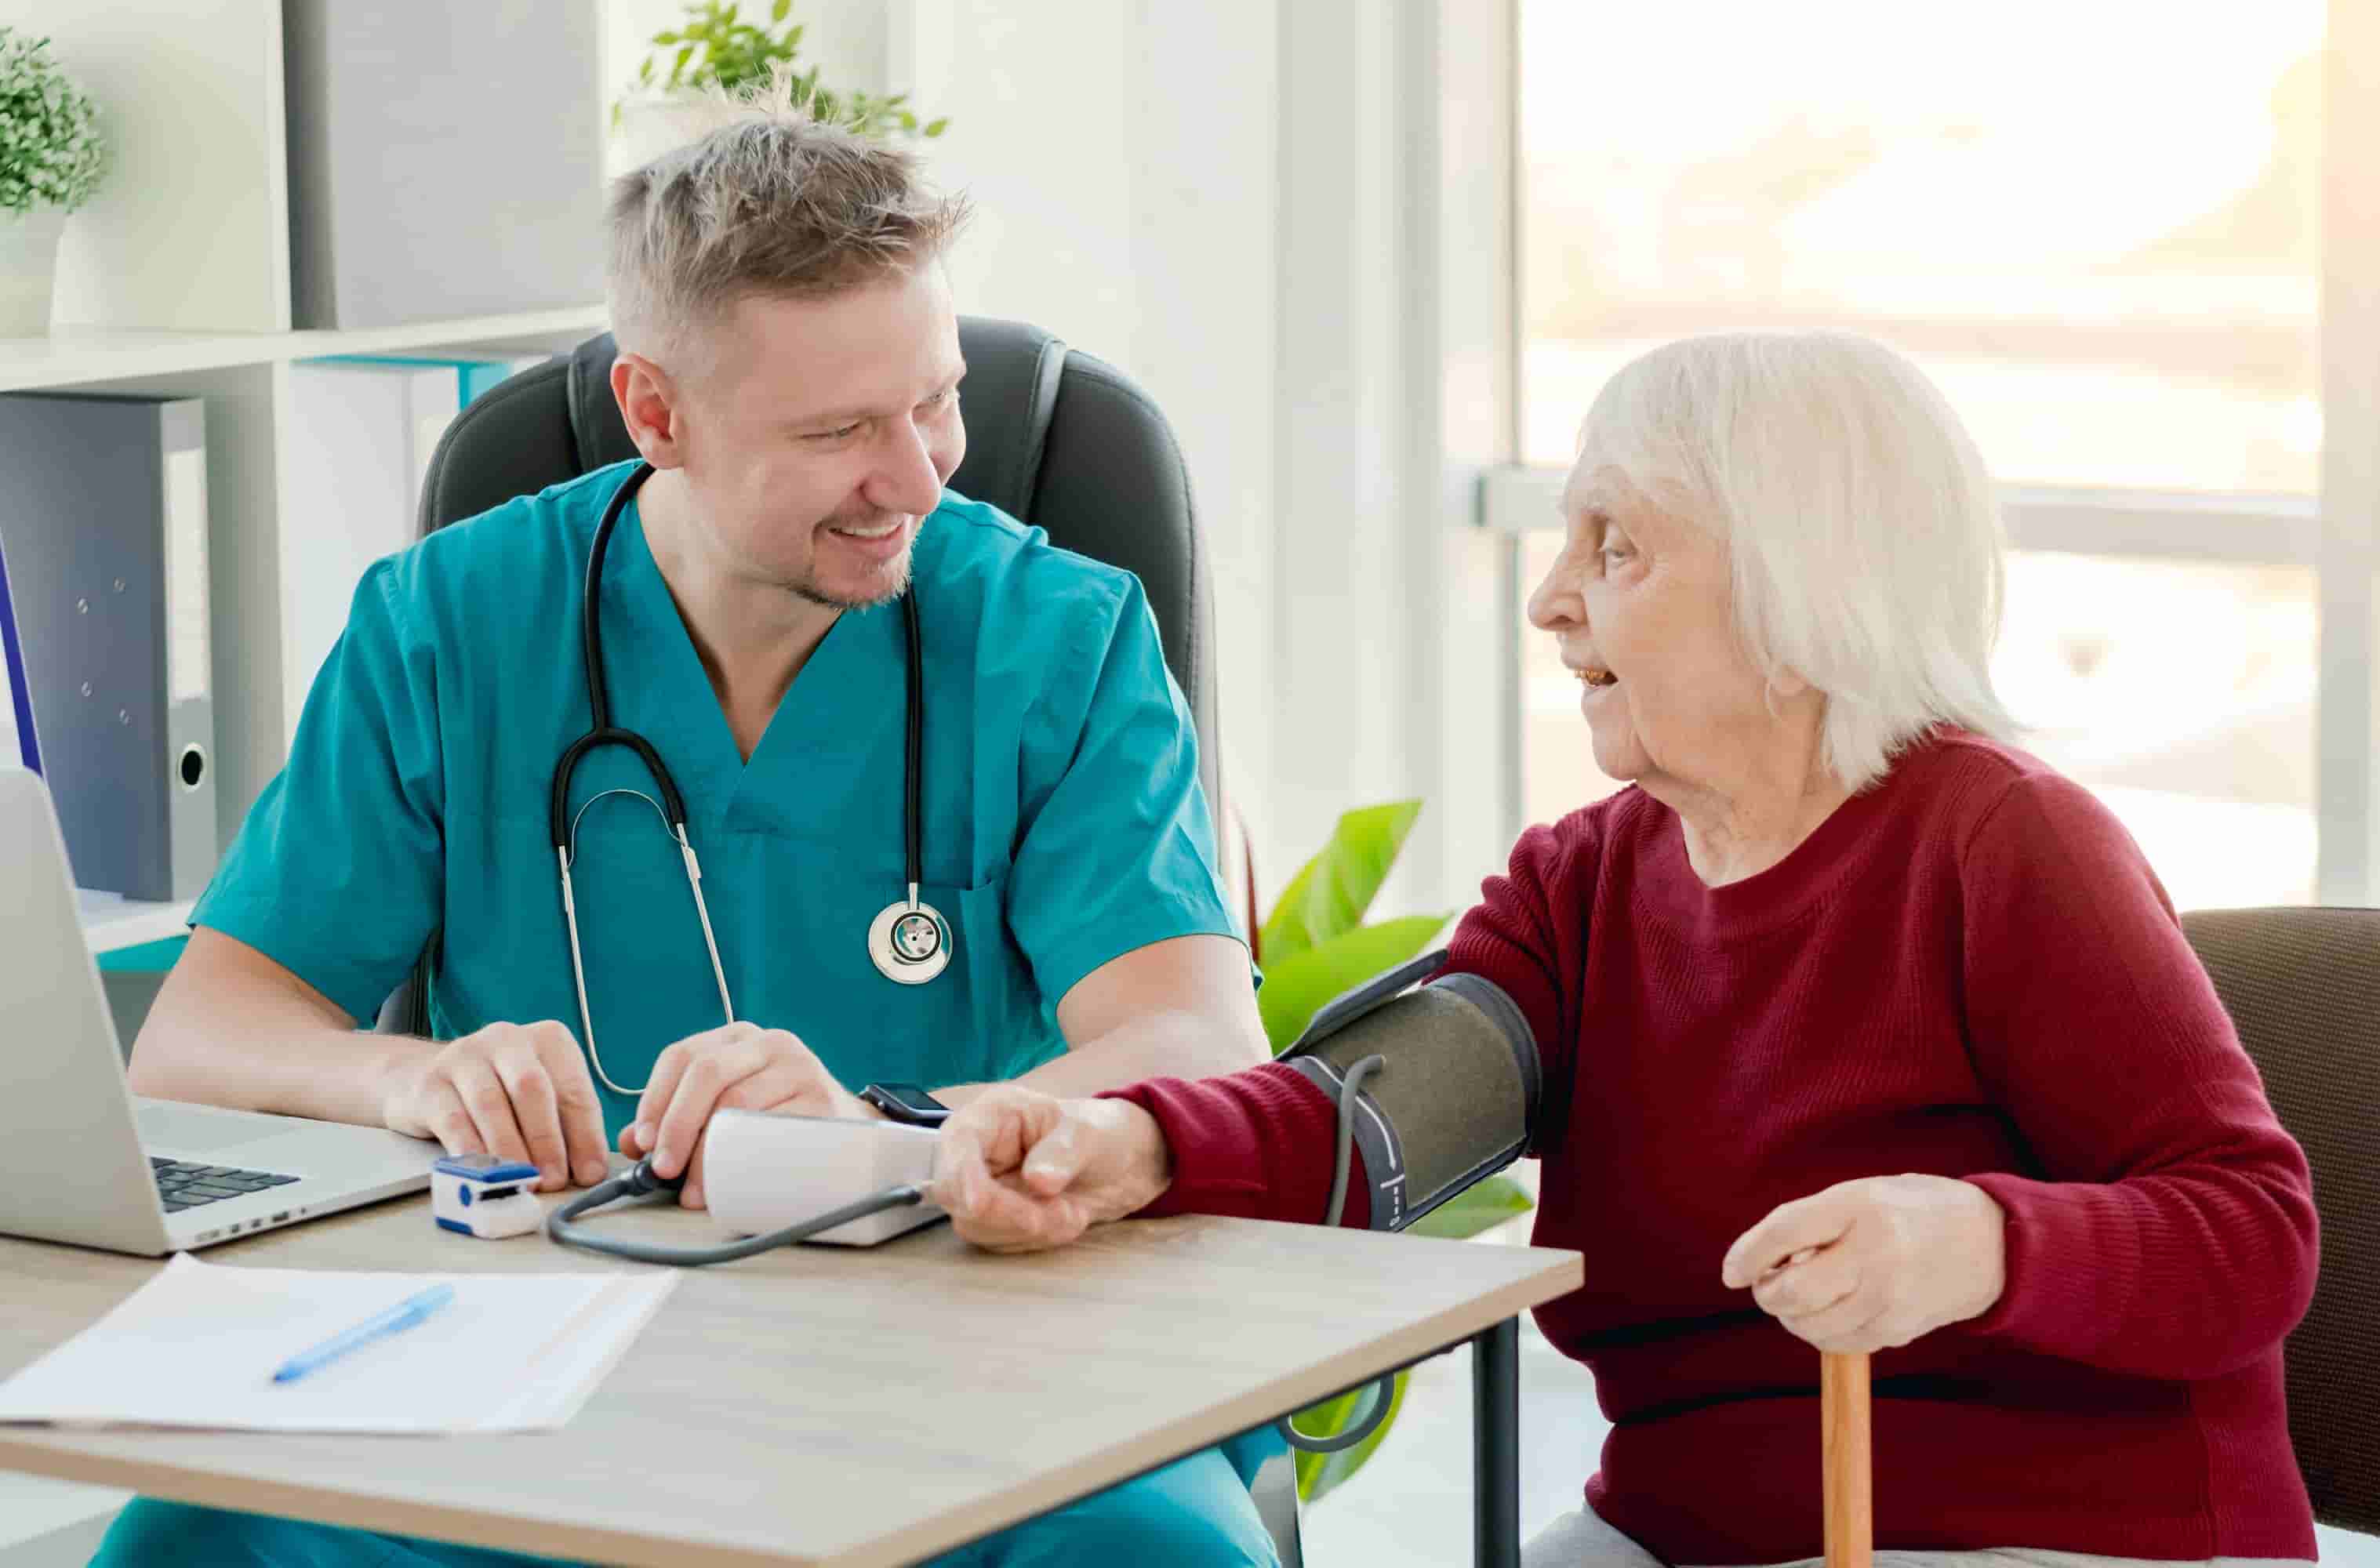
x,y
295,1070
1174,1043
225,1031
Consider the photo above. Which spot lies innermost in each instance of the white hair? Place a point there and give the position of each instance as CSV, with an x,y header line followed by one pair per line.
x,y
1863,538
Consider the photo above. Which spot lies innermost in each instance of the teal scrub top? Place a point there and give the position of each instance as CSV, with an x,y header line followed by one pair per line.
x,y
1062,826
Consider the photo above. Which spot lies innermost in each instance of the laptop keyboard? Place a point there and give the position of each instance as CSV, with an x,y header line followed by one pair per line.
x,y
183,1184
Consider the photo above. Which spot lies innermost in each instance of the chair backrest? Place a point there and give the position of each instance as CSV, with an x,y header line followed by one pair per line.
x,y
2303,987
1055,438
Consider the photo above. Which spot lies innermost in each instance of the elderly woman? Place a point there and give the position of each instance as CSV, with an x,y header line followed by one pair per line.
x,y
1863,1031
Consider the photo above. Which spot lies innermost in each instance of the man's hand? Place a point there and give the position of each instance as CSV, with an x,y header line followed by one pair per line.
x,y
1872,1264
1019,1170
518,1091
738,1067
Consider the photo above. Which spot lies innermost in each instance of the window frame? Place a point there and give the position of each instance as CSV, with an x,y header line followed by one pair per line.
x,y
2336,532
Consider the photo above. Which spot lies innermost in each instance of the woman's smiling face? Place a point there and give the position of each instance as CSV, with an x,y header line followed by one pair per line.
x,y
1639,602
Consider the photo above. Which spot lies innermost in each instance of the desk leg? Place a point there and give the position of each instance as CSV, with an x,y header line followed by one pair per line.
x,y
1496,1434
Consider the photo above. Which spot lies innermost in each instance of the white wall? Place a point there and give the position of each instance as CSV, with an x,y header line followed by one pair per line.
x,y
1252,208
1123,160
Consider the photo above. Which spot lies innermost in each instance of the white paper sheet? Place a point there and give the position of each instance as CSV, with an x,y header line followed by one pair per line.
x,y
198,1345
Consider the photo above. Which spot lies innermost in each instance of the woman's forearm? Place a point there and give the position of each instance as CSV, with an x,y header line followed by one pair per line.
x,y
2186,1273
1259,1144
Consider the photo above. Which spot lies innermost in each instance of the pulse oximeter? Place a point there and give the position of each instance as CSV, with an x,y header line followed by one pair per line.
x,y
483,1195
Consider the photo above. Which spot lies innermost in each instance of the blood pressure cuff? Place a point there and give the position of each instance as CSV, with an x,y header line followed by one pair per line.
x,y
1454,1096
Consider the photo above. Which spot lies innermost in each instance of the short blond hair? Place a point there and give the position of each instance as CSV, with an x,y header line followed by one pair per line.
x,y
768,201
1864,534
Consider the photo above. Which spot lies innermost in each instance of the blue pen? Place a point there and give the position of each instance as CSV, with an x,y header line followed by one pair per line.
x,y
402,1316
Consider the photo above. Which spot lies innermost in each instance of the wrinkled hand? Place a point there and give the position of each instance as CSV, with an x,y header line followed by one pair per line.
x,y
736,1067
1872,1264
518,1091
1019,1170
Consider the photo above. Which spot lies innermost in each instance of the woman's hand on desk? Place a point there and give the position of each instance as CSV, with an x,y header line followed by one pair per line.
x,y
738,1066
518,1091
1019,1170
1873,1264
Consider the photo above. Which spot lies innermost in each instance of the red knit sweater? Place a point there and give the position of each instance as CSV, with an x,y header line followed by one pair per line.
x,y
1970,972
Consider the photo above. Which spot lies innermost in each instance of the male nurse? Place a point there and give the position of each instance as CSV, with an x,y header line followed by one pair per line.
x,y
788,367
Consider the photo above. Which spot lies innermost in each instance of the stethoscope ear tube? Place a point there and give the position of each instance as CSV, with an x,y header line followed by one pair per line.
x,y
672,804
909,942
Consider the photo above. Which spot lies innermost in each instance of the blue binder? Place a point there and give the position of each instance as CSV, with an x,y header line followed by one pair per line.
x,y
105,510
17,740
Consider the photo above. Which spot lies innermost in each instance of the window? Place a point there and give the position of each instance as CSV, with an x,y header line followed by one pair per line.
x,y
2108,255
2179,692
2104,252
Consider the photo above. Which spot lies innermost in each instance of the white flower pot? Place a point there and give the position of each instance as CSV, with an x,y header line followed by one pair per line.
x,y
29,271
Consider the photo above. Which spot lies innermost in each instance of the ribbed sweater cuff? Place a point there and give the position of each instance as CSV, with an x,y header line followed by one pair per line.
x,y
1254,1145
2073,1264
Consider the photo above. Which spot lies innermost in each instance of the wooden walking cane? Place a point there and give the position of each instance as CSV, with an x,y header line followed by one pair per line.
x,y
1848,1461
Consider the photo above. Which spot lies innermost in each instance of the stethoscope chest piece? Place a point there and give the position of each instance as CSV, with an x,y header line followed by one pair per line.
x,y
910,942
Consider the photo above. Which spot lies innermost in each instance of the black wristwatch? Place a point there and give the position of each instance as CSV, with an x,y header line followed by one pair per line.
x,y
907,1102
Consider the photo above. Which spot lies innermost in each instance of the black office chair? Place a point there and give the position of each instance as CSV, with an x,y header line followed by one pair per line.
x,y
1055,438
2303,987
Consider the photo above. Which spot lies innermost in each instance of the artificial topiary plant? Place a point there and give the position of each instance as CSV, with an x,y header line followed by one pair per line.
x,y
52,154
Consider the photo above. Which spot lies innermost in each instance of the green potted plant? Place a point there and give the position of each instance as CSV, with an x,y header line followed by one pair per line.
x,y
716,53
1314,946
51,157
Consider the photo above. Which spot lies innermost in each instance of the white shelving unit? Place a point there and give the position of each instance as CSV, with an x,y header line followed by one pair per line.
x,y
112,921
244,378
79,355
176,282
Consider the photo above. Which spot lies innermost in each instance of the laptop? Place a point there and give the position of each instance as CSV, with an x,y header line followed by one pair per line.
x,y
83,1159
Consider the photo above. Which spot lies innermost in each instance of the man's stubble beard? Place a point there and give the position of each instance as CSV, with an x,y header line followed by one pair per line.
x,y
807,588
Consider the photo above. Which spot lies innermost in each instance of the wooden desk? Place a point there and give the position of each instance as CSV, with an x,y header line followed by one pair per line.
x,y
819,1406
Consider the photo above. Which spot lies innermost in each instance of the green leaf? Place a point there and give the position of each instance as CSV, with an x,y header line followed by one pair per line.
x,y
1330,892
777,12
1475,1209
935,127
1284,935
1321,1473
1296,987
1362,849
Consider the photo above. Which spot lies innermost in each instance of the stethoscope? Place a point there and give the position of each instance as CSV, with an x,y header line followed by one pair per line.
x,y
910,941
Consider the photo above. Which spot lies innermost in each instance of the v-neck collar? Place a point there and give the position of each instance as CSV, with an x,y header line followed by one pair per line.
x,y
658,672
